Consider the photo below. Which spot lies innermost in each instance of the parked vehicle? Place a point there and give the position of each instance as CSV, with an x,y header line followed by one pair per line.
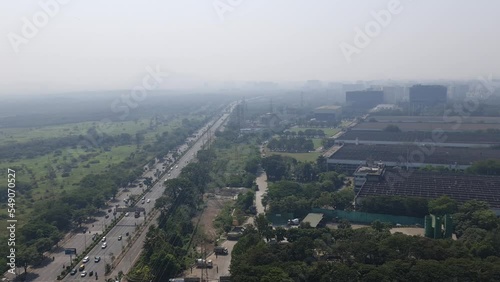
x,y
203,263
219,250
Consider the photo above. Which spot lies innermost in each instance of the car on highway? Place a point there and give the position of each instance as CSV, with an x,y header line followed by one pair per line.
x,y
84,273
97,259
103,239
120,238
82,267
104,245
73,272
85,259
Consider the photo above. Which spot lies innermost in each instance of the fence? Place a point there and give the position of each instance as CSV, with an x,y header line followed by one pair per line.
x,y
367,218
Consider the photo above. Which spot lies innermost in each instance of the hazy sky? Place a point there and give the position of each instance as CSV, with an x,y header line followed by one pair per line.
x,y
90,44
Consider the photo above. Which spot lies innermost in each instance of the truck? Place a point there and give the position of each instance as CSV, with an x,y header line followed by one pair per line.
x,y
219,250
203,263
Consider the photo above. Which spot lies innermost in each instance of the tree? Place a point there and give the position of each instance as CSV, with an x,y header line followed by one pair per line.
x,y
379,226
392,128
321,164
275,274
443,205
148,181
474,214
344,224
263,226
27,256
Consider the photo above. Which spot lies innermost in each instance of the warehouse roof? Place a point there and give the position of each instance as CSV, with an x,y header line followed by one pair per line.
x,y
425,184
421,136
400,153
314,219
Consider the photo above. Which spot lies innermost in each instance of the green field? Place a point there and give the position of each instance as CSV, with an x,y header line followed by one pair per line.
x,y
302,157
327,131
20,135
36,171
317,143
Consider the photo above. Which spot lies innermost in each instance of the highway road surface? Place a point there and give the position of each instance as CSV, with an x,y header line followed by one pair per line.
x,y
53,266
135,250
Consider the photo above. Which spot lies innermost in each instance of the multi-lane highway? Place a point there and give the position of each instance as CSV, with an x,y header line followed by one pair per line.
x,y
128,223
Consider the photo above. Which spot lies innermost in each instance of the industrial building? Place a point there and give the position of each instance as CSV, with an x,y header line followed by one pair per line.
x,y
350,157
328,113
365,99
431,185
436,138
422,96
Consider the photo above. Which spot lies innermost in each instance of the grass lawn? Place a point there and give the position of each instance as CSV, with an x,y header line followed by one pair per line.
x,y
303,157
317,143
37,169
20,135
326,130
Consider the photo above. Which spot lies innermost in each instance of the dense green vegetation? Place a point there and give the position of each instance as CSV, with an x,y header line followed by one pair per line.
x,y
232,160
292,145
395,205
299,186
368,254
306,132
486,167
67,174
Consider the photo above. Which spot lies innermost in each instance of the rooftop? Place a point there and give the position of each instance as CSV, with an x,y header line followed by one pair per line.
x,y
430,185
422,136
439,119
369,170
313,218
427,126
400,153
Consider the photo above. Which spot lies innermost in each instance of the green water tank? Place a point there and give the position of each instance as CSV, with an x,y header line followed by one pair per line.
x,y
448,226
429,230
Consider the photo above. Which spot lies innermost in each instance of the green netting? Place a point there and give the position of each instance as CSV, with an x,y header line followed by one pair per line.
x,y
279,219
367,218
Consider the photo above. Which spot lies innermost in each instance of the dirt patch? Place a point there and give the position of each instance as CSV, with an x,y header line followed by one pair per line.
x,y
405,230
214,206
409,230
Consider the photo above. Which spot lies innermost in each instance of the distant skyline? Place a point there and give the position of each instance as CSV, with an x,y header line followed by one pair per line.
x,y
73,45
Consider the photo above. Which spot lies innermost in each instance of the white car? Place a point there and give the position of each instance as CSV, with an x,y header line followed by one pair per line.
x,y
85,259
84,273
103,239
104,245
149,200
126,214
